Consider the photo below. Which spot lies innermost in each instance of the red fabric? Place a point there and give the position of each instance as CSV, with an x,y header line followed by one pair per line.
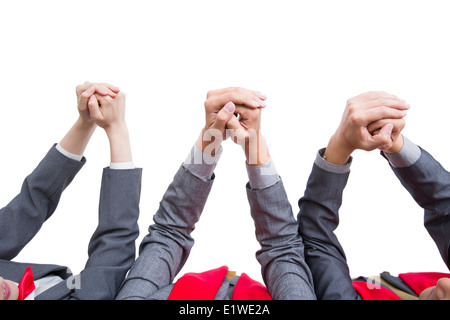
x,y
204,286
375,293
249,289
26,284
198,286
419,281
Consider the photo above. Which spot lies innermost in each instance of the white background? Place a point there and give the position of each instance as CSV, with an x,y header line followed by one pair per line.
x,y
308,57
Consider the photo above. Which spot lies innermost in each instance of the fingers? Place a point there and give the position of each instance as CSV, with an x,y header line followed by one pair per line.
x,y
100,88
246,113
94,108
382,140
366,117
373,95
258,94
218,98
385,102
84,98
362,107
223,116
374,127
237,131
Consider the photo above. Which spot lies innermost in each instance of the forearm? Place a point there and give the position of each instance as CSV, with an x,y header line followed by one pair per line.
x,y
120,147
429,184
336,152
256,150
112,246
165,249
77,138
318,218
281,255
22,218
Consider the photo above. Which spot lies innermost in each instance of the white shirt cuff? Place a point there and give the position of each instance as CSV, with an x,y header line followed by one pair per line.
x,y
121,165
68,154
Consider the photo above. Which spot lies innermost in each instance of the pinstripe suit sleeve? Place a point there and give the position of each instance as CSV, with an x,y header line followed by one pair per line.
x,y
166,247
429,184
281,256
38,198
318,218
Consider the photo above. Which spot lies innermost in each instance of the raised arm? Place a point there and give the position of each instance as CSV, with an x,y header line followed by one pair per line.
x,y
281,256
112,246
165,249
41,191
428,182
319,207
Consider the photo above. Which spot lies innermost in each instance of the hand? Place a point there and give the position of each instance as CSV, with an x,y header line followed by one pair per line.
x,y
86,90
245,129
77,138
353,132
396,137
219,108
109,114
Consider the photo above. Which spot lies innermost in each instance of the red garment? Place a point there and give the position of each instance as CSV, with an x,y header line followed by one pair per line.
x,y
374,293
417,281
204,286
26,284
249,289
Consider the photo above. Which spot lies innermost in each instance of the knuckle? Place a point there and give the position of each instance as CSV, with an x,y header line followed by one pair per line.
x,y
352,108
355,119
233,96
350,104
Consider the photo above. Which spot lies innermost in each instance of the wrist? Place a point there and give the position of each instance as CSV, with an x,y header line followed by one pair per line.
x,y
85,124
119,143
208,141
256,151
397,145
117,130
337,152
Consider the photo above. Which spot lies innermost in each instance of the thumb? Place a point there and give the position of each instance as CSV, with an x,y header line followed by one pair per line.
x,y
383,139
94,108
223,116
236,129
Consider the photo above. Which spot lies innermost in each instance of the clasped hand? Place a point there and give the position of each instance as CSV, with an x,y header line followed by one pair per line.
x,y
234,113
372,120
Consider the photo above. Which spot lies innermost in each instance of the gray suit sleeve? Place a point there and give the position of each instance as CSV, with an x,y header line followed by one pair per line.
x,y
318,218
39,196
281,256
112,246
429,184
166,247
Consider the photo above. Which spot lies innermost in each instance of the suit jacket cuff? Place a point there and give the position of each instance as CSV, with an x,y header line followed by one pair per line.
x,y
200,164
264,176
406,157
327,166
